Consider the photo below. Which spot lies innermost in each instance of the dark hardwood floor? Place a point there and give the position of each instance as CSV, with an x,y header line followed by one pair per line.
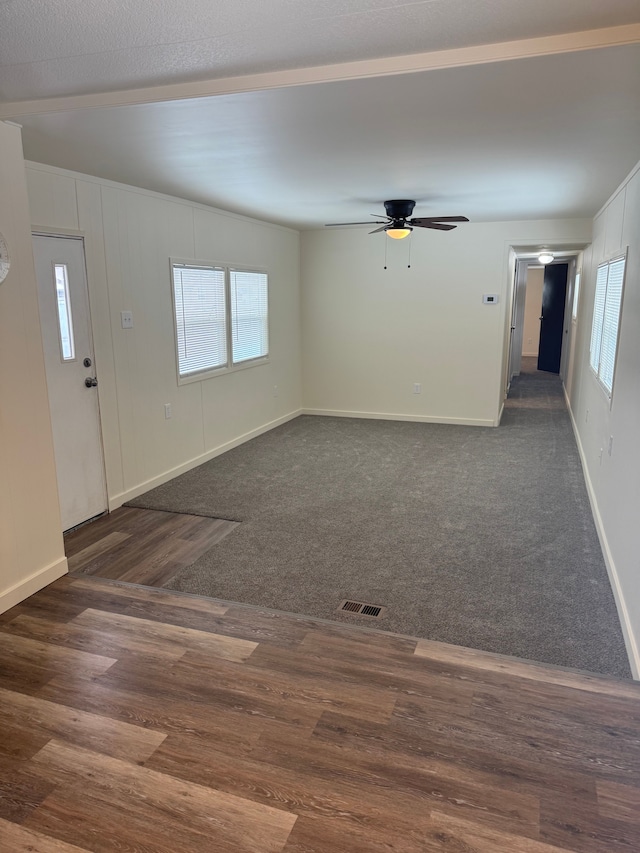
x,y
139,720
141,545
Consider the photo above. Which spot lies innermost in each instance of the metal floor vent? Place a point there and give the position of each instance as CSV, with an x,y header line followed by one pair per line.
x,y
359,608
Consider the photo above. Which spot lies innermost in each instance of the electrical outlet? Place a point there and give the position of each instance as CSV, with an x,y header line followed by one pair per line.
x,y
417,388
167,410
126,319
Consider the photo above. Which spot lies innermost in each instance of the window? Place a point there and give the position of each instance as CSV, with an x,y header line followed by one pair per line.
x,y
63,304
221,317
201,318
248,315
606,319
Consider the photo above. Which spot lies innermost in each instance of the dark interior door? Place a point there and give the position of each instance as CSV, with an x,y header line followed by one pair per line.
x,y
554,292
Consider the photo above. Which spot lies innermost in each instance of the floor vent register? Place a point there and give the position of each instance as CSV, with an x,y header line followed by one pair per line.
x,y
359,608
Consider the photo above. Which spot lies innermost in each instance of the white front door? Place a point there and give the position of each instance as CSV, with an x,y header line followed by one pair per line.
x,y
71,377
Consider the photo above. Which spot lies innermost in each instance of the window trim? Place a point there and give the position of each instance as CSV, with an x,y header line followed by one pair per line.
x,y
229,367
621,255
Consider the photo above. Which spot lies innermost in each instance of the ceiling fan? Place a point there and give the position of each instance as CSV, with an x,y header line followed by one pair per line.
x,y
399,223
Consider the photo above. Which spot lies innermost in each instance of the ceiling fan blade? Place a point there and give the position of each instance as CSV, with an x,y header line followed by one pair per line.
x,y
422,220
383,228
334,224
438,226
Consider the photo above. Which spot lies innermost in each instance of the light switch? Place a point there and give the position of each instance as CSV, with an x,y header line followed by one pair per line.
x,y
126,319
490,298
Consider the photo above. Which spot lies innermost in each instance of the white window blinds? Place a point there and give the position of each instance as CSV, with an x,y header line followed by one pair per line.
x,y
606,320
221,317
611,322
249,315
201,318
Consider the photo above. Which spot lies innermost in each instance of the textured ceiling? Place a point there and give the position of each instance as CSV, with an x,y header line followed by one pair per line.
x,y
65,47
546,136
539,137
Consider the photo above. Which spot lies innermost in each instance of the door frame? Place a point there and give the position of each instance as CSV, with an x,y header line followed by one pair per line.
x,y
72,234
517,317
526,256
568,325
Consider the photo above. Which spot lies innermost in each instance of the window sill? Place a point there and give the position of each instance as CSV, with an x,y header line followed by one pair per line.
x,y
222,371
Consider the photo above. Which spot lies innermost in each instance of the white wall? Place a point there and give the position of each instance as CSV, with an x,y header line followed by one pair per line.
x,y
370,334
614,480
31,547
532,311
129,236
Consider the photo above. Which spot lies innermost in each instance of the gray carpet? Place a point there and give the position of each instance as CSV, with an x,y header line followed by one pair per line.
x,y
477,537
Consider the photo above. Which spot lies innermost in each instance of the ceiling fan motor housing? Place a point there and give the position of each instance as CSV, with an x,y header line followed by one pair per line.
x,y
399,208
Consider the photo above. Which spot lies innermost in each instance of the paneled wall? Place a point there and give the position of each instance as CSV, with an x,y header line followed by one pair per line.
x,y
31,548
130,234
614,477
370,334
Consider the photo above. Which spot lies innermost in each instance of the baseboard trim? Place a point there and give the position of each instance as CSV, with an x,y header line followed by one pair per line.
x,y
116,501
389,416
630,641
23,589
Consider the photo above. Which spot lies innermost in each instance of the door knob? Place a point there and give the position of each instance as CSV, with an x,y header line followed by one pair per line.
x,y
91,381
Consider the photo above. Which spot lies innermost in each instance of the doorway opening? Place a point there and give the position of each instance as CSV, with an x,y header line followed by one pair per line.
x,y
541,315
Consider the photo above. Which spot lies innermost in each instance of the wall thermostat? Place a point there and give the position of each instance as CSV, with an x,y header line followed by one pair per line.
x,y
489,298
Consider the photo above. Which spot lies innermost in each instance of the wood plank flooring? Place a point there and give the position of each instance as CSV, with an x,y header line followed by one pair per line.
x,y
134,719
142,546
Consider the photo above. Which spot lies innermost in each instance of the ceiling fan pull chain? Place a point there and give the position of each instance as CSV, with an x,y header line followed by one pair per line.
x,y
386,244
409,242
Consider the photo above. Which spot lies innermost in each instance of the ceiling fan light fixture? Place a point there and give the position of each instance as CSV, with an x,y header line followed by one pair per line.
x,y
398,233
546,257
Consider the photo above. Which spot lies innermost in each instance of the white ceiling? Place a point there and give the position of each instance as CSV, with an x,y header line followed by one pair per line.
x,y
545,136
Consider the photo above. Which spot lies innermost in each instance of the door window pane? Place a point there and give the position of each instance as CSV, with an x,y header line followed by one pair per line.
x,y
63,304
